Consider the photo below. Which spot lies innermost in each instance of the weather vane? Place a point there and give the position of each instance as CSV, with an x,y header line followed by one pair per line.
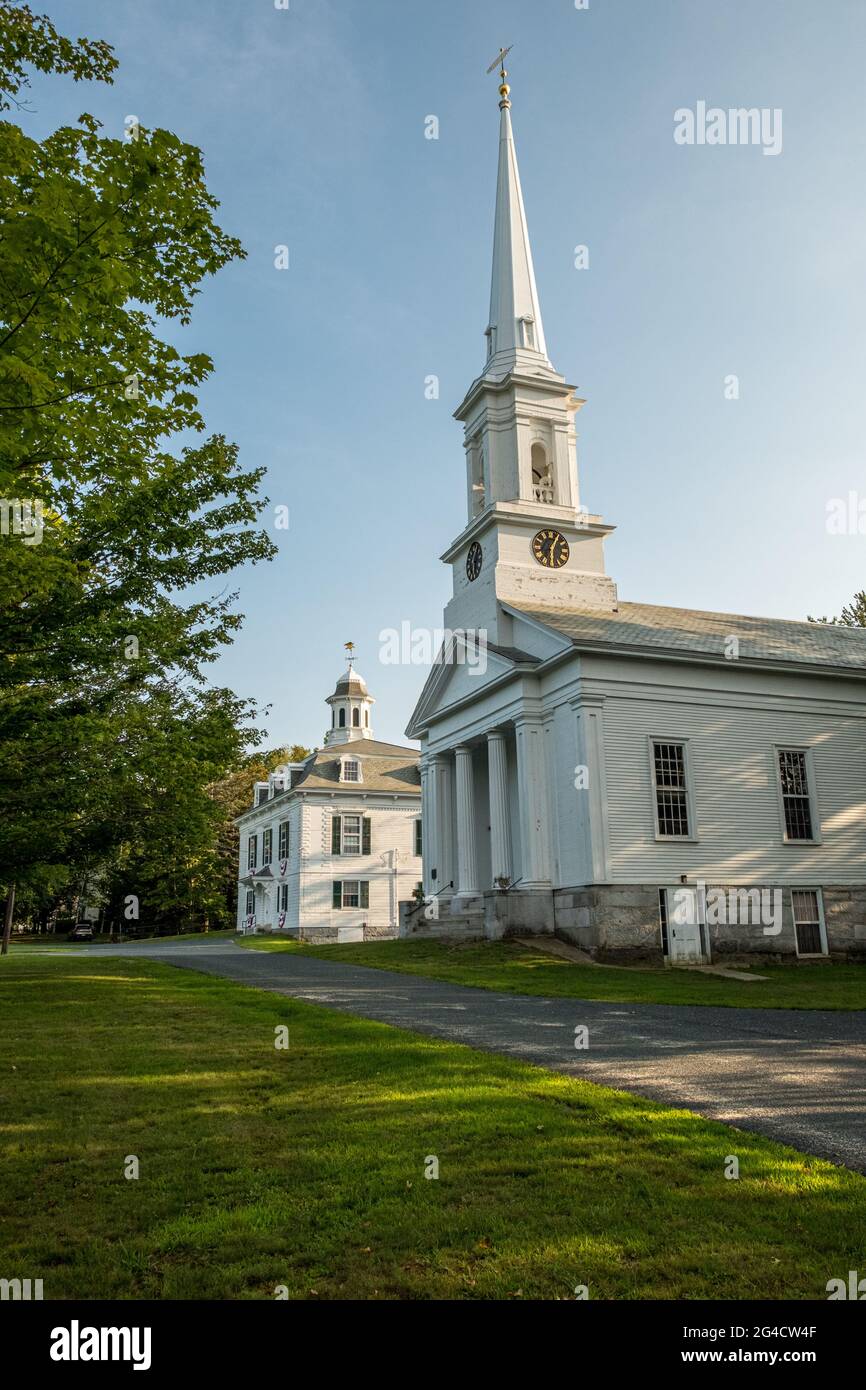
x,y
499,61
350,652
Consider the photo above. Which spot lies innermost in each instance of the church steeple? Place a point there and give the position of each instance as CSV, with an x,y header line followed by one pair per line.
x,y
527,538
515,332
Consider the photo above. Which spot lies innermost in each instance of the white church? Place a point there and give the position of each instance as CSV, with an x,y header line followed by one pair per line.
x,y
615,759
331,845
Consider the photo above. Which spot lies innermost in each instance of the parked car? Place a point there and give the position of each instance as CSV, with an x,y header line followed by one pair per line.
x,y
82,931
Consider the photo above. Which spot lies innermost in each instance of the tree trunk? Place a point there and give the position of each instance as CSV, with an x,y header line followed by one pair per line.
x,y
7,921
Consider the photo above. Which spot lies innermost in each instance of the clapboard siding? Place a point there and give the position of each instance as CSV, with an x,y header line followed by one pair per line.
x,y
736,808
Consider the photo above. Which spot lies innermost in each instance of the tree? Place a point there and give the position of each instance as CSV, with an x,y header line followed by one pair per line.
x,y
853,615
105,244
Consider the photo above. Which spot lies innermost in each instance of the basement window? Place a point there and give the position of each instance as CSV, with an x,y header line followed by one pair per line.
x,y
663,918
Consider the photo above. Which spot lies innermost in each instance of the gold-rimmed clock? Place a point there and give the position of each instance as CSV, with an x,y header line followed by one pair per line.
x,y
550,549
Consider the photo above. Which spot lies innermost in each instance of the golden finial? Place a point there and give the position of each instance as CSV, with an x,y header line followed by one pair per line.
x,y
504,89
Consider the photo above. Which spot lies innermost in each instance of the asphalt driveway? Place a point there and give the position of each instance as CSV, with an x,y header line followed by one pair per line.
x,y
798,1076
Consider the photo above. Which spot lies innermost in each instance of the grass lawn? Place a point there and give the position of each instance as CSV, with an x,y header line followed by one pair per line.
x,y
54,943
503,965
305,1167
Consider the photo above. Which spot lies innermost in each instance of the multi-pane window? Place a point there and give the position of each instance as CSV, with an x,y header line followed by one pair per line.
x,y
796,802
350,835
807,921
351,893
418,841
283,897
351,769
261,795
267,846
284,839
251,903
671,790
252,851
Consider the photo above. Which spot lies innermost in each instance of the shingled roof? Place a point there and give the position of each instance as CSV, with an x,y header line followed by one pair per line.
x,y
642,626
386,767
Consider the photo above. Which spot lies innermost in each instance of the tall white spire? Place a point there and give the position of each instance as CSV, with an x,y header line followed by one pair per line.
x,y
515,333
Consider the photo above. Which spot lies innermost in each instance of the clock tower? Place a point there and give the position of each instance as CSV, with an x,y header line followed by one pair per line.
x,y
527,538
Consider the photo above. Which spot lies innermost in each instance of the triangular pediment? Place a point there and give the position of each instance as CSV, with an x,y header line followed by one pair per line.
x,y
462,671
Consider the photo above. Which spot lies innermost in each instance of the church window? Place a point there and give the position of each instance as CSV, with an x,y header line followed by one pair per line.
x,y
252,851
342,718
418,841
356,719
366,719
479,489
283,899
542,476
251,903
351,893
794,782
284,839
267,846
671,790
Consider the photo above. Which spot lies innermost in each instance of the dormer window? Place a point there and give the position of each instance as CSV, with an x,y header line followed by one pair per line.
x,y
490,335
351,770
527,332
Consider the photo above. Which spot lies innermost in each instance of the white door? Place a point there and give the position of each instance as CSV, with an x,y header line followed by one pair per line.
x,y
350,934
685,934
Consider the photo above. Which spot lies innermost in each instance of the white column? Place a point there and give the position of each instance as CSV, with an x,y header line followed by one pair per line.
x,y
428,824
591,786
500,845
443,863
467,871
533,811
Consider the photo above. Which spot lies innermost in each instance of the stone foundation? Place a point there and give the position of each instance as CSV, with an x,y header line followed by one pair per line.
x,y
612,922
620,923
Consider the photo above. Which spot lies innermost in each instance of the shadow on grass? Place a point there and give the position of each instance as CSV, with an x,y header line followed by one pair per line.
x,y
306,1166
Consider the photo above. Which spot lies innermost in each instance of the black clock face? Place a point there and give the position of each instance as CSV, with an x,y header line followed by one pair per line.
x,y
550,549
473,561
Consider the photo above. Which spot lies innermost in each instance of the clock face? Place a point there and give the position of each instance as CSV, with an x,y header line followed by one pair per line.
x,y
473,561
550,549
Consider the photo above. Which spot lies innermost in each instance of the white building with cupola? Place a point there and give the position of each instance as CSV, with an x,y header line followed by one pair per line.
x,y
331,845
632,777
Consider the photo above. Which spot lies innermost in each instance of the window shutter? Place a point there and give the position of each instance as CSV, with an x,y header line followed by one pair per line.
x,y
365,835
364,898
337,899
336,826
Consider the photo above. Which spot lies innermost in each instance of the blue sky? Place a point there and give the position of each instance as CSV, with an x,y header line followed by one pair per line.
x,y
704,262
